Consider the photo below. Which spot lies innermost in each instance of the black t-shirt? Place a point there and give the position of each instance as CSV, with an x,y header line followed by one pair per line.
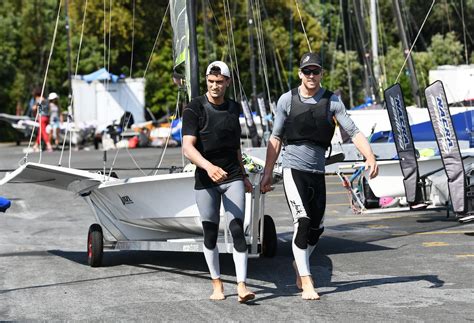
x,y
194,118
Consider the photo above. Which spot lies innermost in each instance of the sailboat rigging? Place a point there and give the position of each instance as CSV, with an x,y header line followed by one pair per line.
x,y
149,212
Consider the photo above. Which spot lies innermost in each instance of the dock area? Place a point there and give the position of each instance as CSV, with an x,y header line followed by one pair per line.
x,y
406,266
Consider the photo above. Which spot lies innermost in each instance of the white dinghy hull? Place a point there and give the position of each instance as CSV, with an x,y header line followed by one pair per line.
x,y
137,208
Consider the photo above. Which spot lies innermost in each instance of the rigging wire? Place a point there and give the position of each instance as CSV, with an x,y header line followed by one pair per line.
x,y
468,34
231,46
261,44
446,7
156,40
382,42
105,32
414,42
176,113
302,25
71,102
464,32
346,56
221,34
39,111
133,37
333,62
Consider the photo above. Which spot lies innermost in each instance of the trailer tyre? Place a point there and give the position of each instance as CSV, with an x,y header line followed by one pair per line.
x,y
95,245
269,243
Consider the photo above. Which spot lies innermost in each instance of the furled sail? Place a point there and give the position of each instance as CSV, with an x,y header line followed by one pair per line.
x,y
180,25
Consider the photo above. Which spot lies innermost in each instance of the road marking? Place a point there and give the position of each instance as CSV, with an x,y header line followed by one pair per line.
x,y
371,218
465,256
445,232
377,226
435,244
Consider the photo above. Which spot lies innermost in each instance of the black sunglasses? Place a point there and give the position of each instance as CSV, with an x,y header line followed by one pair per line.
x,y
308,71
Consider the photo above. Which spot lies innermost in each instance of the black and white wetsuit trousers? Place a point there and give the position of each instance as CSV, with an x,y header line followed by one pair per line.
x,y
306,196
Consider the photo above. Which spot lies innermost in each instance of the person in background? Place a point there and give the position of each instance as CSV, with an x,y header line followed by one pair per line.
x,y
211,140
43,120
55,117
305,123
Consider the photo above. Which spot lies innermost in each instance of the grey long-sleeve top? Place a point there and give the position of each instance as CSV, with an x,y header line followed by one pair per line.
x,y
308,157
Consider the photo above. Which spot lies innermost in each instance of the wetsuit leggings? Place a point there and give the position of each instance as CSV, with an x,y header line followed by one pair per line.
x,y
208,201
306,196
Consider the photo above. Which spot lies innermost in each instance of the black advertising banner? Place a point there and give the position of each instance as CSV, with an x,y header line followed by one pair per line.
x,y
447,144
403,139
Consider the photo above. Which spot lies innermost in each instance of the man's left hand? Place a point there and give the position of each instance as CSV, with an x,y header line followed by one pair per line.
x,y
371,164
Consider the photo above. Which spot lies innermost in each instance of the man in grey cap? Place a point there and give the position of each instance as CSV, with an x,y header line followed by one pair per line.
x,y
304,123
211,141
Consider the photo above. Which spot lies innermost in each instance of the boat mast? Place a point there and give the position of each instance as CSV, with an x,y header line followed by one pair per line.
x,y
193,53
415,90
68,34
371,84
374,37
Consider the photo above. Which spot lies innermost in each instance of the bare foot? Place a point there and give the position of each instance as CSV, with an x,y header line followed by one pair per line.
x,y
244,294
298,278
308,288
218,290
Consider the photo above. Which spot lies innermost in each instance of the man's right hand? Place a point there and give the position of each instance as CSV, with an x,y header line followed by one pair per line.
x,y
266,183
216,173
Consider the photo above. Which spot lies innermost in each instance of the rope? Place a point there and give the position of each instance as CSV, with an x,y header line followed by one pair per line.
x,y
231,45
71,103
40,108
105,33
382,41
414,42
168,137
261,44
464,32
221,34
302,25
156,40
133,38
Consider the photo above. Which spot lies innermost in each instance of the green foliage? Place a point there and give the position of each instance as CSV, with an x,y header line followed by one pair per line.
x,y
26,33
446,49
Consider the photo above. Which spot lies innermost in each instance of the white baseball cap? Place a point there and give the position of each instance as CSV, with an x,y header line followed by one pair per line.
x,y
52,96
224,69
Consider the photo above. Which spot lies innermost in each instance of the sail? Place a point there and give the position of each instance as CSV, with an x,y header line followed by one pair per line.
x,y
180,26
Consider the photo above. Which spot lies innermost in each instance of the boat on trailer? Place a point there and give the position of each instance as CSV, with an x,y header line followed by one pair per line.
x,y
157,212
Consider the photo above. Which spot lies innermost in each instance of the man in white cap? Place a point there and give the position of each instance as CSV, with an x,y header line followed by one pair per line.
x,y
211,140
305,124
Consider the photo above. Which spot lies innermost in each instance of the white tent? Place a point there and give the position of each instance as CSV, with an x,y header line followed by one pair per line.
x,y
102,103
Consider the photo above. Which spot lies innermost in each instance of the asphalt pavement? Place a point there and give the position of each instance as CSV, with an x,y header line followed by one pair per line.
x,y
379,267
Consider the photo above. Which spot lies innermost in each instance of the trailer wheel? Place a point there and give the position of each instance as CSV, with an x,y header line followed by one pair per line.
x,y
269,243
95,245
